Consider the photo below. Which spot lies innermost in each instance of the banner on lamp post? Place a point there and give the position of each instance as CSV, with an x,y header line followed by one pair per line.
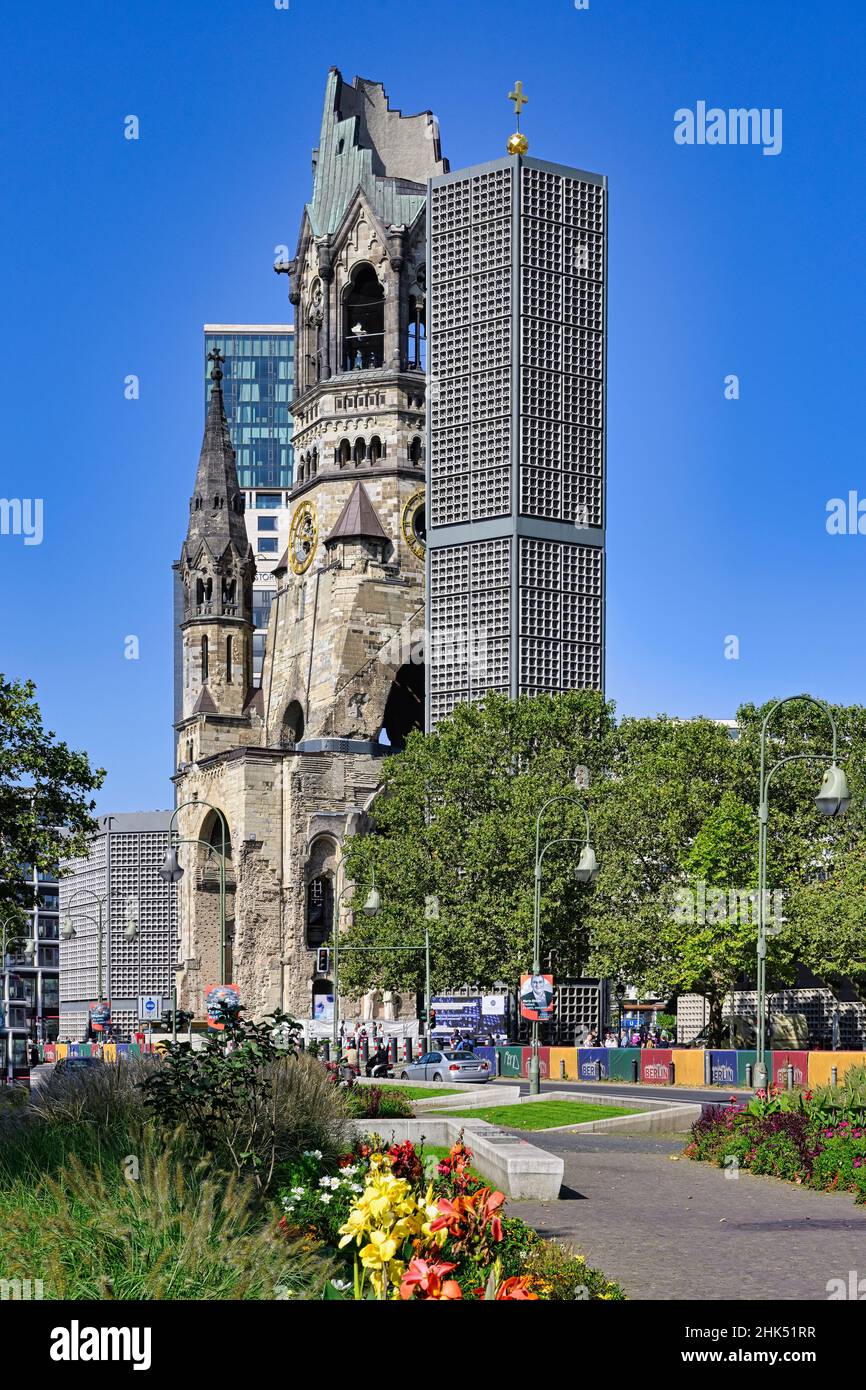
x,y
537,1000
217,997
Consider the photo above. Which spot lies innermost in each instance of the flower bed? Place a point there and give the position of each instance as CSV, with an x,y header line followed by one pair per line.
x,y
407,1224
817,1140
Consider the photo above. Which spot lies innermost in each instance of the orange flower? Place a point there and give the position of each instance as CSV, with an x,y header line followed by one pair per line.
x,y
424,1280
515,1288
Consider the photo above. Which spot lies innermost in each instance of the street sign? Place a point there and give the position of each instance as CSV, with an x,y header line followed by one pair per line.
x,y
150,1007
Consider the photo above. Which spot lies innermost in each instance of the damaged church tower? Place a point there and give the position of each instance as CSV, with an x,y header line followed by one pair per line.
x,y
293,765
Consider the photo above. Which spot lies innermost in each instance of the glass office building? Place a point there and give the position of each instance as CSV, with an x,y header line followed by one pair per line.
x,y
31,975
258,383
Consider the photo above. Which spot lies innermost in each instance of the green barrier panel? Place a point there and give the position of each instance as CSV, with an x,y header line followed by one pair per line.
x,y
745,1059
621,1061
510,1061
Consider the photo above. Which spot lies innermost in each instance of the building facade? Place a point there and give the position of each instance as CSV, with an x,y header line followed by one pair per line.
x,y
118,885
516,431
31,976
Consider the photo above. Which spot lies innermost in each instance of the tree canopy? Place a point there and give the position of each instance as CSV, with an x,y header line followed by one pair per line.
x,y
45,809
672,803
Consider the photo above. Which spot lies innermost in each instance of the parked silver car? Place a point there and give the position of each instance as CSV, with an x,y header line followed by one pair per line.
x,y
446,1066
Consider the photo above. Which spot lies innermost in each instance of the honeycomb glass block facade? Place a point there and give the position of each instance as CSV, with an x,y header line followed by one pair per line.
x,y
122,868
516,431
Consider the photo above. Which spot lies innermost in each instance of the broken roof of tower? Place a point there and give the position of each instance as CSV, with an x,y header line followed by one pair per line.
x,y
363,143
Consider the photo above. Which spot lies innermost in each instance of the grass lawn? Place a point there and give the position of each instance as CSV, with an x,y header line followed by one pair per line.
x,y
541,1114
422,1092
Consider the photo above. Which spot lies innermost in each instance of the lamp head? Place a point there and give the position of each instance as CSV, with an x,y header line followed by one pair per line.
x,y
67,931
587,865
373,902
171,870
834,798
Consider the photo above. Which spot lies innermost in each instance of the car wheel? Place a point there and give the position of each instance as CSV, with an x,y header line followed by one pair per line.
x,y
437,1076
404,1076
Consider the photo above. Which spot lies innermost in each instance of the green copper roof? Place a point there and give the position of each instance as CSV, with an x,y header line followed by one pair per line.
x,y
363,143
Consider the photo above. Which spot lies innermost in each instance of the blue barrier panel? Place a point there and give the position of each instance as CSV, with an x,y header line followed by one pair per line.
x,y
723,1068
488,1054
592,1063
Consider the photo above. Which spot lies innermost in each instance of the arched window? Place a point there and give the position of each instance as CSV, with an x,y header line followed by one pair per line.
x,y
359,452
416,353
320,910
228,660
292,728
315,462
204,659
364,322
344,453
415,450
374,452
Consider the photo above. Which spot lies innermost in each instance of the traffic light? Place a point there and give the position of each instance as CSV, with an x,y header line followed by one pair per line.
x,y
323,961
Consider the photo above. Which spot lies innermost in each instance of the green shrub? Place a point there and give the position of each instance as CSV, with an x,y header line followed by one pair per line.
x,y
561,1274
841,1163
377,1103
249,1096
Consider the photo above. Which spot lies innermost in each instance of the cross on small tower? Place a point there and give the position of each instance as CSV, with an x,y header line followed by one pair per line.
x,y
217,358
519,100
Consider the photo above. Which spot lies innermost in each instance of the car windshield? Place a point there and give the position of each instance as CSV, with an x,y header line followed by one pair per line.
x,y
459,1056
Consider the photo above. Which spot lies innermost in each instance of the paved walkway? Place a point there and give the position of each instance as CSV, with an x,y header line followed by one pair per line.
x,y
683,1230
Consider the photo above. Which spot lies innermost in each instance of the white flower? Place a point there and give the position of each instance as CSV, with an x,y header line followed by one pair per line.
x,y
350,1171
325,1197
298,1191
288,1207
341,1285
324,1182
356,1187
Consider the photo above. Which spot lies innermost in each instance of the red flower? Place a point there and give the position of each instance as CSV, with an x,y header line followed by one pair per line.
x,y
423,1280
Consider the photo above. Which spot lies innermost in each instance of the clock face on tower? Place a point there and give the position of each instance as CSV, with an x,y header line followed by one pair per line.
x,y
414,524
303,534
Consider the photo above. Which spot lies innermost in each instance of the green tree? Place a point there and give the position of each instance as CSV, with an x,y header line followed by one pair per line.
x,y
45,810
453,843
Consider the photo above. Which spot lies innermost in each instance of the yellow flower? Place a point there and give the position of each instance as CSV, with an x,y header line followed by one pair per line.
x,y
381,1249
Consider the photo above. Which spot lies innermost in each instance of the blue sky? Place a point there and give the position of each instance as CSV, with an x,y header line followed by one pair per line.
x,y
722,260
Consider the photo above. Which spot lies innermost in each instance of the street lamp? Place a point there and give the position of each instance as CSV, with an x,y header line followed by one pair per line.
x,y
586,872
68,931
833,799
172,872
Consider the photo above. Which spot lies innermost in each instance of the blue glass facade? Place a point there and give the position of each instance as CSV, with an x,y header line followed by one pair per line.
x,y
258,382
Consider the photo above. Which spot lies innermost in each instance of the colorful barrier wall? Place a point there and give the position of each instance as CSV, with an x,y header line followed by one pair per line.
x,y
822,1063
689,1066
727,1066
568,1055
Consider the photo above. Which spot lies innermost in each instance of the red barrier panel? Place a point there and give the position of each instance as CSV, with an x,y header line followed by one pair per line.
x,y
543,1060
655,1065
800,1063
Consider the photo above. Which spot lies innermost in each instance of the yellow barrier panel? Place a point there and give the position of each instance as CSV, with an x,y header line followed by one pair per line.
x,y
109,1052
821,1062
62,1049
688,1066
568,1055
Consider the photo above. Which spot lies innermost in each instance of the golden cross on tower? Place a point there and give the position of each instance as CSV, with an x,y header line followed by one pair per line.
x,y
518,98
517,143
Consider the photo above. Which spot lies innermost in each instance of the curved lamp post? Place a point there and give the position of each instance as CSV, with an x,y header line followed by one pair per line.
x,y
173,873
833,799
68,932
586,871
